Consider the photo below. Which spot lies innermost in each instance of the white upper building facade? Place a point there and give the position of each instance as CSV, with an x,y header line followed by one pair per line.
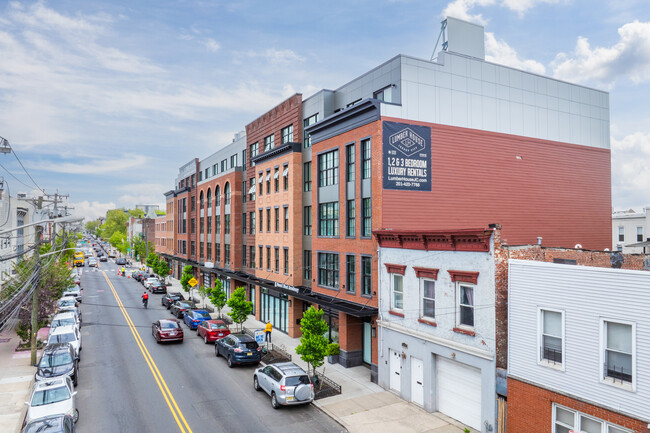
x,y
628,228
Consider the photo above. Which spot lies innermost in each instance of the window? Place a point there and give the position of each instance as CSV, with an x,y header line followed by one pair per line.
x,y
254,149
328,270
207,173
201,224
366,230
208,251
276,179
224,165
286,219
307,176
217,252
428,298
193,248
286,260
306,220
243,159
618,341
251,189
261,219
209,198
192,204
277,259
350,158
192,225
365,157
243,223
639,234
621,234
252,261
233,161
217,224
226,224
306,264
261,261
268,181
243,255
252,224
217,196
226,194
287,134
209,225
226,253
328,219
268,220
214,169
366,276
201,201
466,305
200,251
351,219
350,274
328,168
307,122
277,219
269,142
385,94
551,336
285,178
397,292
243,191
268,258
566,420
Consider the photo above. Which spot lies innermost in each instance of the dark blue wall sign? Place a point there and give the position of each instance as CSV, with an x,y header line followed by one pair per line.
x,y
407,157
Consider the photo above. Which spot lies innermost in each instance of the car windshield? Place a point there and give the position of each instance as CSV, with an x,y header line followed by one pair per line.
x,y
184,305
62,338
218,326
49,396
296,380
202,315
55,359
249,345
67,302
169,325
62,322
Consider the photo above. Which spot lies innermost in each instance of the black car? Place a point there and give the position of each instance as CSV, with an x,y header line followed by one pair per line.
x,y
170,298
143,277
121,261
158,288
238,349
179,307
58,359
103,258
50,424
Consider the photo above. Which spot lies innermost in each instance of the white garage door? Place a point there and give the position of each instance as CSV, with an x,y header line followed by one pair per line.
x,y
459,391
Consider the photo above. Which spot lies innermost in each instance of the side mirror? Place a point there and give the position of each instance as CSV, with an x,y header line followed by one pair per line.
x,y
74,393
26,403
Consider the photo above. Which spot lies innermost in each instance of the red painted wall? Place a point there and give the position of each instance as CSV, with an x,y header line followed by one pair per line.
x,y
559,191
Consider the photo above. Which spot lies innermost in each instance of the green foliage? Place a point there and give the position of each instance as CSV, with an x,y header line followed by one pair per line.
x,y
118,240
218,296
203,293
240,308
162,268
115,222
314,346
92,226
152,260
136,213
140,248
161,212
333,349
186,277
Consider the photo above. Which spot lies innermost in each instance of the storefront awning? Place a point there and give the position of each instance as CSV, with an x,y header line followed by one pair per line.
x,y
285,172
276,175
268,176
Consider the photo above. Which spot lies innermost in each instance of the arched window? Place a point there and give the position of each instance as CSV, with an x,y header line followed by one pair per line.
x,y
201,200
217,196
226,193
209,198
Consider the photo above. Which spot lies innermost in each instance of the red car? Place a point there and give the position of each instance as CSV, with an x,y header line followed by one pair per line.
x,y
167,330
212,330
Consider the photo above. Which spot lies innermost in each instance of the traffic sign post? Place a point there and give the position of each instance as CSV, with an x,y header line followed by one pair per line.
x,y
192,282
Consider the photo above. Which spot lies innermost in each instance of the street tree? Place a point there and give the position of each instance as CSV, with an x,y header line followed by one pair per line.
x,y
314,345
218,297
162,269
186,276
91,226
203,293
152,261
240,308
118,240
115,222
136,213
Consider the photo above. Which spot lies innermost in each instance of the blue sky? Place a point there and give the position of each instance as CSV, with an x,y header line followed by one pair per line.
x,y
104,100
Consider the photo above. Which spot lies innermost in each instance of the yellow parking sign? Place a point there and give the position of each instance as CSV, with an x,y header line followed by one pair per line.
x,y
192,282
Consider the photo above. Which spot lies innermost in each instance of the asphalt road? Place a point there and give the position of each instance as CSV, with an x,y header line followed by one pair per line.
x,y
126,386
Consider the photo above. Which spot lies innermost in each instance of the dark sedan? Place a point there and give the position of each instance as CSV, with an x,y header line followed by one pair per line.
x,y
238,349
166,330
158,287
170,298
179,307
192,318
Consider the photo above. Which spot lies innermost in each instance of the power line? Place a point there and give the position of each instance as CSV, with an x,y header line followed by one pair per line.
x,y
26,172
12,175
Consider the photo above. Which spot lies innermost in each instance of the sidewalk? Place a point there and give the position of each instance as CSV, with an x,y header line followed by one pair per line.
x,y
362,406
16,378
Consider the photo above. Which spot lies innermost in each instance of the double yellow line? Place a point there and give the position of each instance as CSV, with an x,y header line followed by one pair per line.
x,y
169,398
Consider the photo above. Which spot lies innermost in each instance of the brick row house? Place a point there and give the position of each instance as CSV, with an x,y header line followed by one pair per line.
x,y
317,184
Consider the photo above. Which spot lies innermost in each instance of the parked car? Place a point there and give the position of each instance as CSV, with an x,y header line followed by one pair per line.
x,y
179,307
92,262
66,334
67,301
74,291
50,424
144,277
65,318
285,382
136,274
52,397
170,298
149,281
73,309
167,330
158,287
238,349
212,330
121,261
58,359
103,258
192,318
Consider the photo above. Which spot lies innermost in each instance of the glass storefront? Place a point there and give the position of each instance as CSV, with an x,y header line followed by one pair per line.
x,y
251,296
275,308
332,319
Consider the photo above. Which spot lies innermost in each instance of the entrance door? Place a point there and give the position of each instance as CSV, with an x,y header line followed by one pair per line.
x,y
395,370
417,381
367,343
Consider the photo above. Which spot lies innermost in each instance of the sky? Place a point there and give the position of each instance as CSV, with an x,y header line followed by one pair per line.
x,y
103,100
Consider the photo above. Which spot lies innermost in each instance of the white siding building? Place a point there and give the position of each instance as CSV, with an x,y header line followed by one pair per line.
x,y
14,212
582,333
437,322
628,228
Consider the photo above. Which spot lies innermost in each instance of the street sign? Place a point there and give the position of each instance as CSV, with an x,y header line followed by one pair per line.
x,y
192,282
259,336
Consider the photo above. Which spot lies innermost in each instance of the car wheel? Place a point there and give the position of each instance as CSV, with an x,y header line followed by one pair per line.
x,y
230,364
274,402
205,339
76,378
256,384
216,350
76,416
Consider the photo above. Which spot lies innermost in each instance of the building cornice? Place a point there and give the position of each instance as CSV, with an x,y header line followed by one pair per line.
x,y
276,151
441,240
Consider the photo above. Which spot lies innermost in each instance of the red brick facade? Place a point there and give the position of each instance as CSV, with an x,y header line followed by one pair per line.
x,y
530,410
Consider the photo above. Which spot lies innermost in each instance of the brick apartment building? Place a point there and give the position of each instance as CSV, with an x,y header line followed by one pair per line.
x,y
410,145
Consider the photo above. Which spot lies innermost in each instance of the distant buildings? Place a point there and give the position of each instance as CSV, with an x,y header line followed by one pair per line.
x,y
630,231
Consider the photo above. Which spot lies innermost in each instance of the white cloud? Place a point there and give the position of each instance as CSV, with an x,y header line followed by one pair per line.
x,y
211,45
127,162
629,58
282,56
91,210
631,170
498,51
462,9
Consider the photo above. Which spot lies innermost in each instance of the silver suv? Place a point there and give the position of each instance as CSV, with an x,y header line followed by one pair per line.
x,y
285,382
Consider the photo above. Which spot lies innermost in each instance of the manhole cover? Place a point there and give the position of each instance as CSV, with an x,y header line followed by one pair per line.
x,y
5,340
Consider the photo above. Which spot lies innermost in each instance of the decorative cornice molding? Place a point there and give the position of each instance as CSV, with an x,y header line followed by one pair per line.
x,y
453,240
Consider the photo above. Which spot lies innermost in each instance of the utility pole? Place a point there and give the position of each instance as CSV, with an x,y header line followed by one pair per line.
x,y
37,282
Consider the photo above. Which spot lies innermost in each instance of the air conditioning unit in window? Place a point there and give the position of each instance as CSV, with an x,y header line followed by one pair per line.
x,y
209,264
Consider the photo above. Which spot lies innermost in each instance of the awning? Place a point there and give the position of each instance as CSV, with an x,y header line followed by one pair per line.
x,y
252,189
276,175
268,176
285,172
261,178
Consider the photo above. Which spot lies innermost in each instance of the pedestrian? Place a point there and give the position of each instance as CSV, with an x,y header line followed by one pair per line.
x,y
268,330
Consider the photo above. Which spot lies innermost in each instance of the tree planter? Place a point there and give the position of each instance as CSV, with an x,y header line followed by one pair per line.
x,y
333,359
